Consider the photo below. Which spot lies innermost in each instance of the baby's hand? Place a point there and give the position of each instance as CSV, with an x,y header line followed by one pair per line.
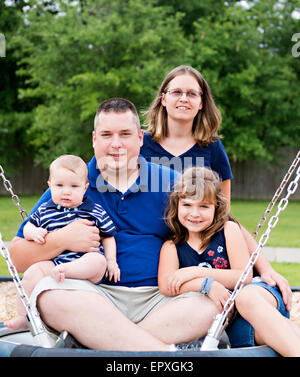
x,y
38,235
113,270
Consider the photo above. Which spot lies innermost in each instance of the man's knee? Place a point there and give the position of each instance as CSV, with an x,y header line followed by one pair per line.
x,y
200,307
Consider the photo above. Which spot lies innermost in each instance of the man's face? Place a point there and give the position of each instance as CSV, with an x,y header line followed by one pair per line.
x,y
117,141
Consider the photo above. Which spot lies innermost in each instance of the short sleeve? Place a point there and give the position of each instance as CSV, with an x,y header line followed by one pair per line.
x,y
44,198
104,222
220,161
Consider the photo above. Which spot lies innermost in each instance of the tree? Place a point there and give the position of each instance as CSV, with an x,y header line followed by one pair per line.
x,y
246,57
15,115
77,57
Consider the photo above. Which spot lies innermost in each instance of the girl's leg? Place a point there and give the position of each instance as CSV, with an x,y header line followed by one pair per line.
x,y
91,266
259,307
30,278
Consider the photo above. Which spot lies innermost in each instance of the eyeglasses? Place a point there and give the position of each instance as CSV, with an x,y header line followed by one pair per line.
x,y
178,93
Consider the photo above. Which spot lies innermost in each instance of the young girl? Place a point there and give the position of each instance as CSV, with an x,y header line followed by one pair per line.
x,y
208,253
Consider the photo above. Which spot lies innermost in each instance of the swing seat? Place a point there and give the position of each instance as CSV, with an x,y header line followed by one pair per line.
x,y
21,344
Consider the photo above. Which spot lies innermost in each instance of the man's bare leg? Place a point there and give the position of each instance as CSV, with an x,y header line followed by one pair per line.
x,y
181,320
95,322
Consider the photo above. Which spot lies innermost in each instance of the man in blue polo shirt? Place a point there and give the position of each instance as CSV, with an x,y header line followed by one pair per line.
x,y
132,314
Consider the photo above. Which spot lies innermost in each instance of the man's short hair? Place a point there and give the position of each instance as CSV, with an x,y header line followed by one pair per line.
x,y
117,105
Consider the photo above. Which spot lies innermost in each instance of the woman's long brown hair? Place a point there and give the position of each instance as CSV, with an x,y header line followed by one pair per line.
x,y
206,122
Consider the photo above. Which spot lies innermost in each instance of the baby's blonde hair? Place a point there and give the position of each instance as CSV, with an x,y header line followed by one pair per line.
x,y
197,183
70,162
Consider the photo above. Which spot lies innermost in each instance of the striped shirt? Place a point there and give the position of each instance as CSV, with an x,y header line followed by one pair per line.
x,y
51,216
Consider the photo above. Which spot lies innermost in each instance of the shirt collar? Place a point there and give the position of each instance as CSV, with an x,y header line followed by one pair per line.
x,y
97,181
86,205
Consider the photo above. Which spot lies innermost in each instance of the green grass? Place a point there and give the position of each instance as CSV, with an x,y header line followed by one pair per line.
x,y
290,271
10,218
285,234
287,231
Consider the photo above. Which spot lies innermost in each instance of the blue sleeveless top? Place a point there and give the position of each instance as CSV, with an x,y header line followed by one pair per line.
x,y
214,256
212,156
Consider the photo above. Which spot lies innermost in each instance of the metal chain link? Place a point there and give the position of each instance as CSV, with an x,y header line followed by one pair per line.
x,y
15,199
14,273
277,195
220,321
37,328
40,335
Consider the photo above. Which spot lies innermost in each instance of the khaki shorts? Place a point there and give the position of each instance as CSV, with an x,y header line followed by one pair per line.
x,y
134,302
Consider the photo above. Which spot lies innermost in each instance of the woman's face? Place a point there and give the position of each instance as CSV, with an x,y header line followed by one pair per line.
x,y
182,99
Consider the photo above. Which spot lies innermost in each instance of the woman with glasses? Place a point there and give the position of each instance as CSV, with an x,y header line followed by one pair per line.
x,y
183,123
182,131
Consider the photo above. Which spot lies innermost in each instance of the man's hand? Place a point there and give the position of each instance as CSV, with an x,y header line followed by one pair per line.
x,y
80,235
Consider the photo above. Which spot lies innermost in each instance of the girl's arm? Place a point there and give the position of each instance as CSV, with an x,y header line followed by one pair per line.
x,y
171,278
238,255
169,266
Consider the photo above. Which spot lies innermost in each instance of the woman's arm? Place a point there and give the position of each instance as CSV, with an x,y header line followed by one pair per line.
x,y
226,190
80,235
266,271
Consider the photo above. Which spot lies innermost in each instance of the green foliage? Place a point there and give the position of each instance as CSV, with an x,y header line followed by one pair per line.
x,y
65,57
77,59
246,58
14,115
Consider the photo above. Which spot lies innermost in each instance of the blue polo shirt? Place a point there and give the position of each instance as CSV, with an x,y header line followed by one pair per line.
x,y
213,156
138,215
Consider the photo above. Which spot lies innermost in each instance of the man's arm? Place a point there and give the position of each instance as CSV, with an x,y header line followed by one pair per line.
x,y
80,235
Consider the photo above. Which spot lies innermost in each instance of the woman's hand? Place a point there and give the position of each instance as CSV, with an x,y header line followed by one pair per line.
x,y
273,278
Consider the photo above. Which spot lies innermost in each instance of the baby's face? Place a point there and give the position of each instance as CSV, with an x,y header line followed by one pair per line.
x,y
67,188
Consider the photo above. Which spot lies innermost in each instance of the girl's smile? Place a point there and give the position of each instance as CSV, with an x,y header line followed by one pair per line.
x,y
195,215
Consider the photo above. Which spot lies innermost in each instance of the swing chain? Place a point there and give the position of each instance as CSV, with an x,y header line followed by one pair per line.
x,y
220,322
15,199
37,328
14,274
277,194
262,241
